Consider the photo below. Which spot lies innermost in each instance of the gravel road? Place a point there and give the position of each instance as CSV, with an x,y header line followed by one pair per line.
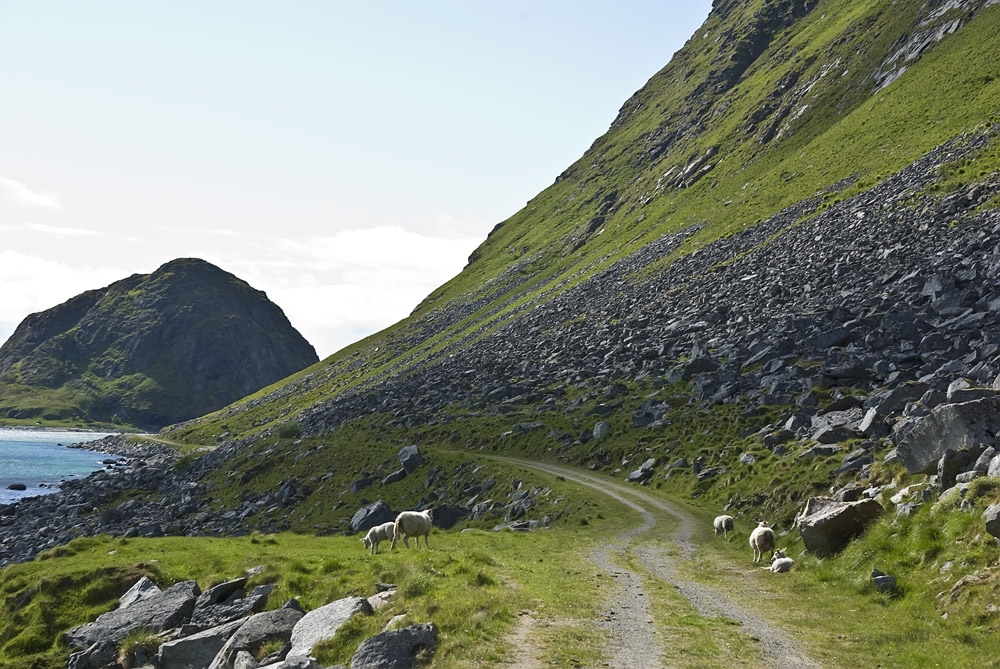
x,y
626,616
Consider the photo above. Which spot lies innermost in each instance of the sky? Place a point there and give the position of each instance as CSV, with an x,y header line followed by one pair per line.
x,y
344,158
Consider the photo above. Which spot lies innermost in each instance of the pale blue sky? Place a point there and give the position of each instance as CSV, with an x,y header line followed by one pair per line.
x,y
345,158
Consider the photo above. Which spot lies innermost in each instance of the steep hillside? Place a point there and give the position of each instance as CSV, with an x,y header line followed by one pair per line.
x,y
750,291
771,113
149,350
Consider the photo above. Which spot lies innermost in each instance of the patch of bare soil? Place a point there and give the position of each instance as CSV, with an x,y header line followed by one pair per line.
x,y
632,637
525,652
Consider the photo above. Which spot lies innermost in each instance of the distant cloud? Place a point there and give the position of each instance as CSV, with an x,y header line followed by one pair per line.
x,y
337,288
30,284
53,230
176,230
16,191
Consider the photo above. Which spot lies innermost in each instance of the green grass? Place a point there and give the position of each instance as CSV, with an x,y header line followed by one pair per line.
x,y
470,584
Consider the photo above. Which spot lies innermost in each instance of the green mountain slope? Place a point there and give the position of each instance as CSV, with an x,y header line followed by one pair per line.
x,y
767,105
148,350
789,226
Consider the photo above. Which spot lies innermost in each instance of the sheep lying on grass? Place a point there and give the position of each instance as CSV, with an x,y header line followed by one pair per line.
x,y
779,563
378,534
723,524
412,524
761,540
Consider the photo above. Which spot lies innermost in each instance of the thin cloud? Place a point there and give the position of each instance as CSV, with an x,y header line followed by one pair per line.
x,y
52,230
15,191
364,279
31,284
217,232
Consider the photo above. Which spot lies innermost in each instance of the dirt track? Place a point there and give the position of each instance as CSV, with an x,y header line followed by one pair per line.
x,y
632,637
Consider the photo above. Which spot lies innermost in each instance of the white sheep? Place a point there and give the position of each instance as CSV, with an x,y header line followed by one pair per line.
x,y
780,563
761,539
378,534
723,524
412,524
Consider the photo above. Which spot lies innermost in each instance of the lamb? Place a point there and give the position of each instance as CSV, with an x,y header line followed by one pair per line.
x,y
723,524
378,534
412,524
761,539
779,563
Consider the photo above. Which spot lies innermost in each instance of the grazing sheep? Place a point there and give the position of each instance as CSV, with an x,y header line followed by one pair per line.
x,y
723,524
761,539
378,534
779,563
412,524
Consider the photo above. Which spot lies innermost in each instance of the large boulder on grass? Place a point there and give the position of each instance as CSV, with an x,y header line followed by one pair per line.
x,y
955,426
410,458
260,629
369,516
322,623
992,518
154,613
196,650
827,526
396,649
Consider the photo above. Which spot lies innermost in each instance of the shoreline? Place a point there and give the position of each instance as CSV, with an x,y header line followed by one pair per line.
x,y
52,428
117,444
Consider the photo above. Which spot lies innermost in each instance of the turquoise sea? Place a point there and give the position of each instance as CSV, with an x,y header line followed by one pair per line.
x,y
40,459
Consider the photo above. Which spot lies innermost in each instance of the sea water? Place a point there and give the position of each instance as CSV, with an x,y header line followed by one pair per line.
x,y
40,459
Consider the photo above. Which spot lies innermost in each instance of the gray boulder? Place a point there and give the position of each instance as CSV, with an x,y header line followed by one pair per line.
x,y
155,613
395,476
873,425
643,473
322,623
197,650
368,517
884,582
233,607
891,402
992,518
276,625
954,426
952,464
396,649
410,459
221,592
143,589
827,526
98,655
447,516
297,662
983,461
962,390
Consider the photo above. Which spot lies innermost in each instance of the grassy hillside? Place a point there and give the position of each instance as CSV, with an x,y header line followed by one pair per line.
x,y
836,133
797,105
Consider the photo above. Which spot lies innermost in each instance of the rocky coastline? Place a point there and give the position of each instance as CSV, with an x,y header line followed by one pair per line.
x,y
34,524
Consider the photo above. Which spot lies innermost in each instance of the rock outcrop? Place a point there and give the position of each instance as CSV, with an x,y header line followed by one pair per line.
x,y
153,349
179,619
827,526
